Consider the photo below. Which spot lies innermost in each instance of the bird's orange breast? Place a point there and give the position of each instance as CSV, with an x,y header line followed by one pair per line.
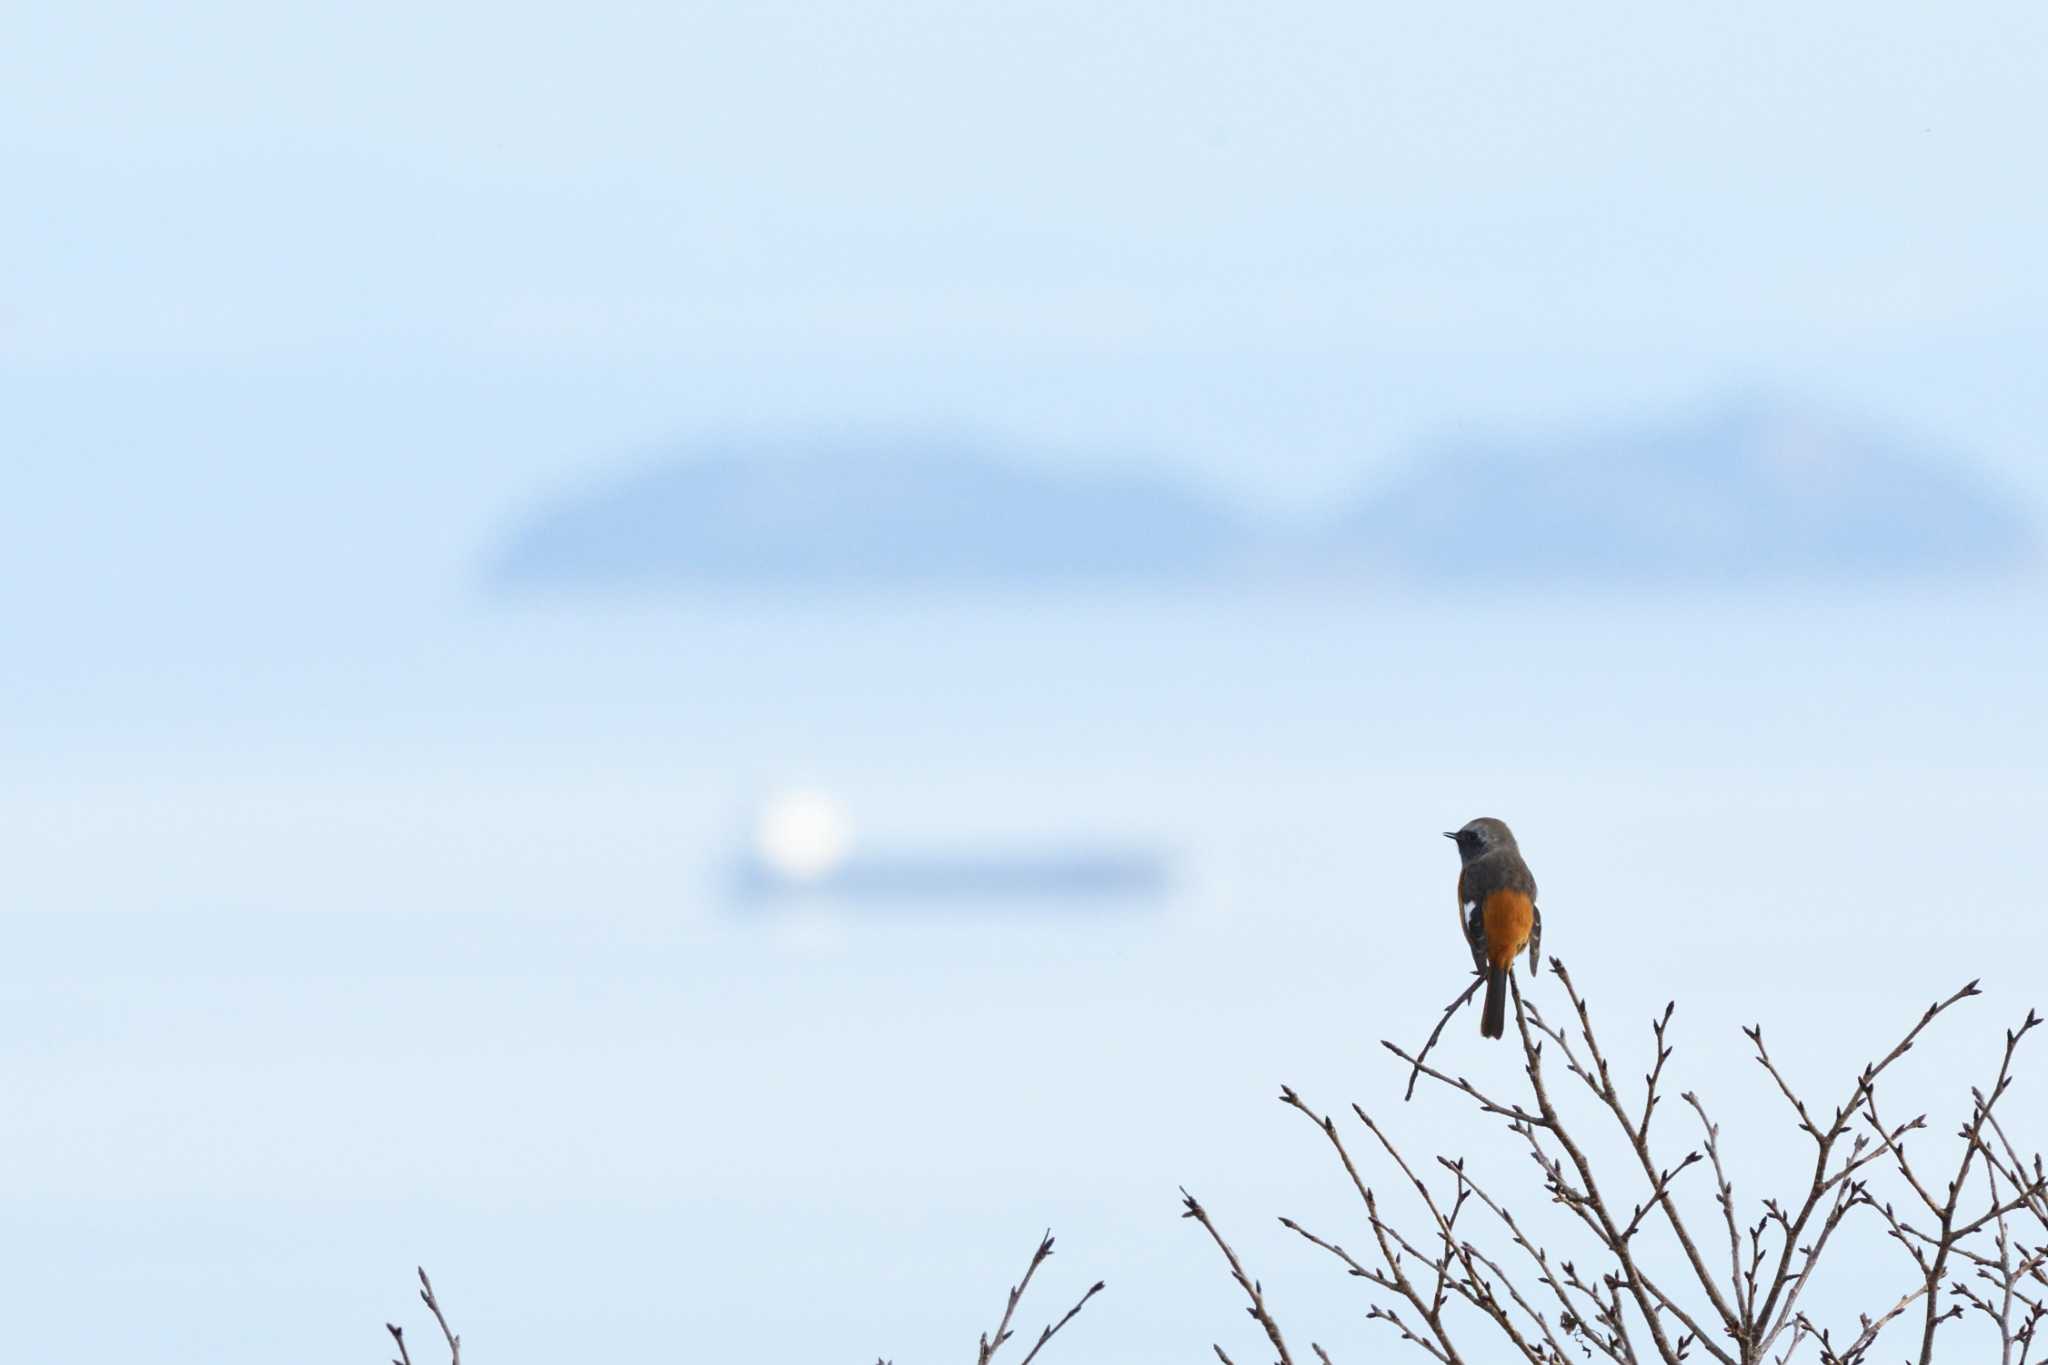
x,y
1506,917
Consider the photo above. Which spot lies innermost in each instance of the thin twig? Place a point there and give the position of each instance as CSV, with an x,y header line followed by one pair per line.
x,y
1478,980
434,1306
1052,1331
993,1342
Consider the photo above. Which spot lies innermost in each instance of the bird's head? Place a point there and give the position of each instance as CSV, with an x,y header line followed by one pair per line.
x,y
1477,838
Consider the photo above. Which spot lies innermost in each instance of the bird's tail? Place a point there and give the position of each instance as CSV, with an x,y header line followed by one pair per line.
x,y
1493,1022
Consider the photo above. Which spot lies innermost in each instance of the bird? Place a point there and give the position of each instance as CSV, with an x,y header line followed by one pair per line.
x,y
1496,911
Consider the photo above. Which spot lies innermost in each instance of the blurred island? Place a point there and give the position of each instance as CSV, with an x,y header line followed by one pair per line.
x,y
1744,493
1747,492
803,514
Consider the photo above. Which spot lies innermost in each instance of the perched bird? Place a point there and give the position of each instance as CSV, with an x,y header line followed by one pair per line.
x,y
1497,910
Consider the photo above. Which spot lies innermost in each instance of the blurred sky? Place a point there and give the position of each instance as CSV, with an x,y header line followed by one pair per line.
x,y
287,280
355,920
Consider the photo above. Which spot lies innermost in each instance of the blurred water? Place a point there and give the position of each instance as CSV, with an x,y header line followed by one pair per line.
x,y
349,944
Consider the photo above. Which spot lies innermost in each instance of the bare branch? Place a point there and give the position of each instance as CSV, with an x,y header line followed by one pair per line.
x,y
993,1342
1048,1333
1478,980
1191,1208
433,1306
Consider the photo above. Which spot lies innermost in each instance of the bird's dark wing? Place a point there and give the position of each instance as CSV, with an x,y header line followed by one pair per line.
x,y
1535,938
1475,933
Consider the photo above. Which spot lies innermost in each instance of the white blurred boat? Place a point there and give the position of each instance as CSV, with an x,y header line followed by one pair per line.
x,y
801,845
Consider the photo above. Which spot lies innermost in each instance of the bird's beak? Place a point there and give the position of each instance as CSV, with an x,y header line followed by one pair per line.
x,y
1450,834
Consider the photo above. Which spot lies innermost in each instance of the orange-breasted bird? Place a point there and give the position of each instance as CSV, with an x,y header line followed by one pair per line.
x,y
1497,911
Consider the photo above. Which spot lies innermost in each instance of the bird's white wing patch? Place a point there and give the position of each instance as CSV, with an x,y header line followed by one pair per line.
x,y
1474,928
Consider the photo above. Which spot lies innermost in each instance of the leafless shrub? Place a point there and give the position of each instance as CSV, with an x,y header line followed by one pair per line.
x,y
1471,1281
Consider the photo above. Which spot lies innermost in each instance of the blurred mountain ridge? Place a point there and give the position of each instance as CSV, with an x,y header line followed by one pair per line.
x,y
798,512
1756,490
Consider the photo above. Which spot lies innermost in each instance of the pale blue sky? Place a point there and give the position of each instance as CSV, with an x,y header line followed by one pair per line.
x,y
484,184
1353,223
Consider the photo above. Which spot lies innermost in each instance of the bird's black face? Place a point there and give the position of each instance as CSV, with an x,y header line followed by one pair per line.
x,y
1477,838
